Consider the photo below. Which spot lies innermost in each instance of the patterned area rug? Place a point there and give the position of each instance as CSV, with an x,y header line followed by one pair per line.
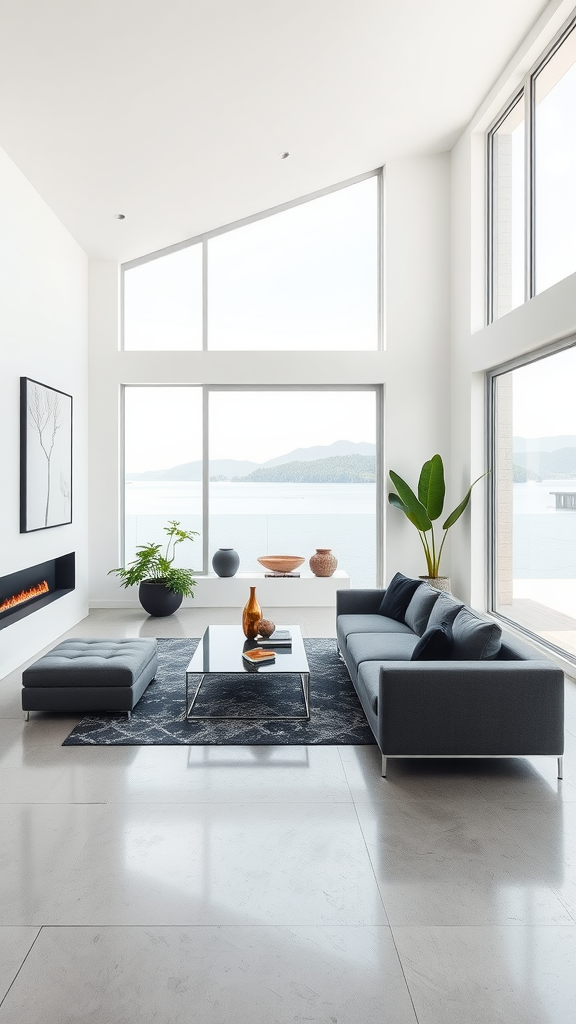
x,y
336,715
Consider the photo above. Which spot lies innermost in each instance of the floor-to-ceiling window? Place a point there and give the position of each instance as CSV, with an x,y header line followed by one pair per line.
x,y
290,470
534,496
163,467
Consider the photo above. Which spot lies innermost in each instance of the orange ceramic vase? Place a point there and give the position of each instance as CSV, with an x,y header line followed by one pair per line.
x,y
251,615
323,563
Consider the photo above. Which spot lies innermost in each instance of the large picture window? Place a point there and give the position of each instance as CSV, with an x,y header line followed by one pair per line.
x,y
531,174
307,479
304,277
534,497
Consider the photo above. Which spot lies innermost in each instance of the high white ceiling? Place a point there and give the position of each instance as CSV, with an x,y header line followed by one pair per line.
x,y
173,112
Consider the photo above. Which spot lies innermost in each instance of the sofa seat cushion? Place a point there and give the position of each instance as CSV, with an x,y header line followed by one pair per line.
x,y
93,663
368,684
474,638
381,647
370,624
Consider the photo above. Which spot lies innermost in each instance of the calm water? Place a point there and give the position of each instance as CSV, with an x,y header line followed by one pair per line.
x,y
260,519
544,537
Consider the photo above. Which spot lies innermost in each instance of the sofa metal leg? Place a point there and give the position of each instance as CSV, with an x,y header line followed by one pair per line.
x,y
560,767
128,715
26,716
383,767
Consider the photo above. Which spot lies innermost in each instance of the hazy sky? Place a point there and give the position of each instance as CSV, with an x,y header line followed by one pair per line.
x,y
164,425
545,396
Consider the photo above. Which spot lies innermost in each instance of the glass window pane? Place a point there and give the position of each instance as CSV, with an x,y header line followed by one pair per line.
x,y
163,302
305,278
508,212
285,482
535,498
163,467
555,147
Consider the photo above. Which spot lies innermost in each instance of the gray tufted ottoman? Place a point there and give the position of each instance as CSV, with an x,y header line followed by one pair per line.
x,y
90,675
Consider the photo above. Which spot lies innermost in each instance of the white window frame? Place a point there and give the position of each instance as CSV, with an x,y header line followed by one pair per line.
x,y
527,88
207,389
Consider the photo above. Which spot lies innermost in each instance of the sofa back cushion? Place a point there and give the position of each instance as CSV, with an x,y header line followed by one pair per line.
x,y
398,596
444,611
418,611
474,639
434,645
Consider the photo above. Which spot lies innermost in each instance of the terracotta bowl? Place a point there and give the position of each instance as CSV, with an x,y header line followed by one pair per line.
x,y
281,563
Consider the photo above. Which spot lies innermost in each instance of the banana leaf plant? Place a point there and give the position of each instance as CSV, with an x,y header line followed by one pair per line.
x,y
424,510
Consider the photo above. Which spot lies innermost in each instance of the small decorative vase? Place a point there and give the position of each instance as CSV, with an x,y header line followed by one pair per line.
x,y
251,616
438,582
225,562
323,563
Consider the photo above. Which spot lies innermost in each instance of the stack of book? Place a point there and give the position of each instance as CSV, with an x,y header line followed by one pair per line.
x,y
279,638
256,656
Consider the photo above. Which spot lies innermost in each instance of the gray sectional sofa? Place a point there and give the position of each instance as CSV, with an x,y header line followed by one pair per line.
x,y
437,680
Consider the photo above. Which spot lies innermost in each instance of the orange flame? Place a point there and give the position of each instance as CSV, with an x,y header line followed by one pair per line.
x,y
24,595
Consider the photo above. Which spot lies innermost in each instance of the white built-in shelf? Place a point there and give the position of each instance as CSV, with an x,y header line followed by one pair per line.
x,y
280,591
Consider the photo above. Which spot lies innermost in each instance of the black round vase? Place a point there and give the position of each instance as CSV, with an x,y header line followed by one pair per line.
x,y
157,599
225,562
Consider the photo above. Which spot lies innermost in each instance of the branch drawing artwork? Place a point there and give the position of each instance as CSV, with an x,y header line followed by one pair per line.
x,y
46,456
44,410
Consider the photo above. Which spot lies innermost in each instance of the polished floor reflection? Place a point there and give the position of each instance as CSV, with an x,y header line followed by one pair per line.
x,y
279,884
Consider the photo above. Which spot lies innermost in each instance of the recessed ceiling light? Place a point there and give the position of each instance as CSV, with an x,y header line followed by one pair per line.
x,y
119,216
283,156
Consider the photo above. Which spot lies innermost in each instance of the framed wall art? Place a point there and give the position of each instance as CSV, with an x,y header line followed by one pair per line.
x,y
45,456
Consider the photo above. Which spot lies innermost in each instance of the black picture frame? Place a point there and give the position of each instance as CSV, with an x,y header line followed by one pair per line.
x,y
45,456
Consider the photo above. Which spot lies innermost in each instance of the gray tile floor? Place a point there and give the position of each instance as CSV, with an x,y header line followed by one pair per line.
x,y
278,884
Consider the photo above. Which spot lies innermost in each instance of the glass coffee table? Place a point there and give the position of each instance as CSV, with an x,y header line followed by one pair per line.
x,y
220,653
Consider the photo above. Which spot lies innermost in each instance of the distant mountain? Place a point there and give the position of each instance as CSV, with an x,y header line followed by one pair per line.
x,y
521,475
337,469
324,451
225,469
193,470
547,465
543,444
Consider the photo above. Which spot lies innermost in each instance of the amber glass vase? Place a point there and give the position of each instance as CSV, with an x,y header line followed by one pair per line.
x,y
251,615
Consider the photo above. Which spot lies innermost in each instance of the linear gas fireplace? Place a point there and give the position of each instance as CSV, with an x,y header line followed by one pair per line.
x,y
23,592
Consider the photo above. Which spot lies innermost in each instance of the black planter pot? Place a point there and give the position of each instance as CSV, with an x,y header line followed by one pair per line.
x,y
157,599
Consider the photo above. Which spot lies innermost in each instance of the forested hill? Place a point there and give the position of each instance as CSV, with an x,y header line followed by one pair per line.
x,y
340,469
554,465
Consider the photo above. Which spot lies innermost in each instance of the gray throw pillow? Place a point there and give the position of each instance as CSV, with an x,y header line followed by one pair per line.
x,y
474,639
444,611
418,611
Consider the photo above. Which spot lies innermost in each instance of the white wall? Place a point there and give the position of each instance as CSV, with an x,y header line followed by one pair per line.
x,y
43,335
476,348
414,367
417,373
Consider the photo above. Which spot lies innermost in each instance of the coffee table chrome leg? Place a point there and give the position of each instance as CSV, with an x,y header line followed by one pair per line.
x,y
305,680
190,706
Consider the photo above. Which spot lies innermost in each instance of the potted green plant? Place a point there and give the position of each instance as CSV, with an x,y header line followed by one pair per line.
x,y
424,510
162,585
